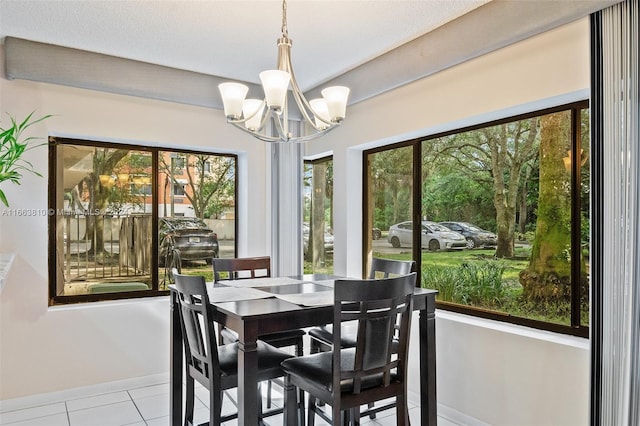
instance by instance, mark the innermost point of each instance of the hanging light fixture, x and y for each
(252, 115)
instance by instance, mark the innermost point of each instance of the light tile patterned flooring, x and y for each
(147, 406)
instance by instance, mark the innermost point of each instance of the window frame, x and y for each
(575, 329)
(54, 143)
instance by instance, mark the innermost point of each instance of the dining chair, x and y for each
(322, 336)
(372, 370)
(213, 366)
(255, 267)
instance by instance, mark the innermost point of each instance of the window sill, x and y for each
(110, 303)
(514, 329)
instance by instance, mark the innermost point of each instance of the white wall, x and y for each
(495, 376)
(46, 349)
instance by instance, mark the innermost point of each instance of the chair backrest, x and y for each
(242, 267)
(377, 309)
(196, 319)
(385, 268)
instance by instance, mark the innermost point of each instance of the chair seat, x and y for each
(317, 368)
(280, 339)
(269, 359)
(324, 334)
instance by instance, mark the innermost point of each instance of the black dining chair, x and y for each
(373, 369)
(213, 366)
(322, 336)
(255, 267)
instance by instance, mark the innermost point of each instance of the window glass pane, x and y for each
(317, 229)
(107, 199)
(505, 190)
(103, 220)
(390, 204)
(196, 209)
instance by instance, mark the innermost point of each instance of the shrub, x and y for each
(472, 283)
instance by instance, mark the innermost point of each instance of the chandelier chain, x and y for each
(285, 30)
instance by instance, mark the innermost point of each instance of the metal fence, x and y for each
(104, 247)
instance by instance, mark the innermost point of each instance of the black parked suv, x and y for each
(190, 235)
(475, 236)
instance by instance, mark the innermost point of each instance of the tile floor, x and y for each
(146, 406)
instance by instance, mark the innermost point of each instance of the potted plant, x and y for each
(12, 165)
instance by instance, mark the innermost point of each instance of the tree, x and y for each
(105, 161)
(549, 273)
(317, 225)
(391, 186)
(497, 155)
(210, 182)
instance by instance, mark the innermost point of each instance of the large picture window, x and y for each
(123, 216)
(497, 216)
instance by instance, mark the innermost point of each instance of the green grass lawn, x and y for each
(475, 284)
(456, 258)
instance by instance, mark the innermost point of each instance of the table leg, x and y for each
(247, 378)
(176, 365)
(428, 399)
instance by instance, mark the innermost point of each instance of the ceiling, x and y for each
(232, 39)
(368, 45)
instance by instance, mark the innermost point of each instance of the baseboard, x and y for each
(456, 417)
(82, 392)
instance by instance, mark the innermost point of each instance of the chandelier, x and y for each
(252, 115)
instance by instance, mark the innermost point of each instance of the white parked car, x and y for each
(434, 236)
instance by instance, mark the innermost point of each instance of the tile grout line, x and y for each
(66, 410)
(136, 405)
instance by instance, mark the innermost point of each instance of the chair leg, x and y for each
(190, 399)
(301, 408)
(402, 413)
(311, 416)
(337, 415)
(300, 352)
(215, 408)
(290, 408)
(269, 394)
(355, 415)
(372, 415)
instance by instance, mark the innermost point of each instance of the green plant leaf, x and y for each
(12, 148)
(3, 198)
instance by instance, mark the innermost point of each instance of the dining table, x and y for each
(253, 307)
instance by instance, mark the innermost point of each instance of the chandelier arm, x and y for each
(311, 136)
(303, 104)
(280, 127)
(263, 120)
(273, 139)
(257, 135)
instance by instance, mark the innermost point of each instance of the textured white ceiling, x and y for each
(232, 39)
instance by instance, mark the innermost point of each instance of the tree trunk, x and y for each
(316, 235)
(523, 210)
(549, 273)
(104, 161)
(503, 200)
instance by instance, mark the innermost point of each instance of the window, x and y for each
(178, 189)
(504, 209)
(118, 228)
(317, 229)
